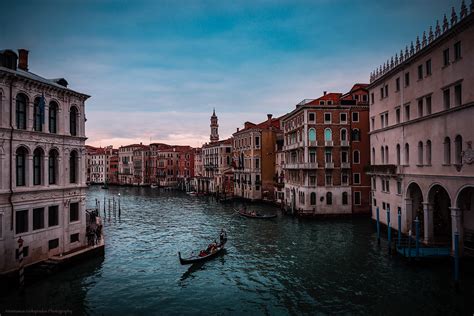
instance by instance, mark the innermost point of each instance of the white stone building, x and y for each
(42, 164)
(422, 111)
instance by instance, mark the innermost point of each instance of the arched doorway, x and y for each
(414, 208)
(465, 203)
(440, 202)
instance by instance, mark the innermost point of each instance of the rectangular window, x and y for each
(73, 212)
(382, 120)
(428, 67)
(372, 98)
(446, 99)
(312, 180)
(399, 187)
(428, 105)
(387, 185)
(383, 185)
(53, 215)
(312, 117)
(327, 118)
(457, 51)
(373, 122)
(420, 72)
(357, 198)
(381, 93)
(1, 226)
(328, 179)
(257, 163)
(344, 156)
(446, 57)
(407, 79)
(375, 202)
(356, 178)
(343, 118)
(397, 84)
(53, 244)
(21, 221)
(355, 116)
(328, 155)
(321, 102)
(345, 178)
(420, 107)
(383, 205)
(74, 237)
(457, 95)
(397, 114)
(38, 218)
(257, 141)
(386, 90)
(407, 112)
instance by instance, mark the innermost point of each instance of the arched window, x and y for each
(73, 167)
(53, 166)
(73, 121)
(428, 152)
(382, 154)
(312, 135)
(327, 134)
(407, 154)
(398, 154)
(447, 151)
(329, 198)
(21, 106)
(356, 156)
(21, 166)
(386, 155)
(344, 198)
(313, 198)
(37, 166)
(343, 134)
(355, 135)
(53, 117)
(458, 150)
(37, 116)
(373, 155)
(420, 153)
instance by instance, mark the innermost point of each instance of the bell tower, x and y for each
(214, 127)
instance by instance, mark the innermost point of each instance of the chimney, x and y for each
(237, 129)
(23, 59)
(325, 92)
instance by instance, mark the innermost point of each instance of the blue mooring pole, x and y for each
(389, 231)
(417, 240)
(456, 257)
(399, 228)
(378, 225)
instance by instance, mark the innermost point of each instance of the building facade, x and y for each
(421, 112)
(254, 159)
(42, 164)
(325, 147)
(126, 172)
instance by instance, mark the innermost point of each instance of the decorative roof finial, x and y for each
(418, 45)
(430, 36)
(437, 29)
(424, 42)
(392, 63)
(412, 49)
(396, 59)
(463, 10)
(406, 52)
(454, 17)
(401, 55)
(445, 24)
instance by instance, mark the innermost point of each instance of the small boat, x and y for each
(256, 215)
(193, 193)
(154, 186)
(196, 258)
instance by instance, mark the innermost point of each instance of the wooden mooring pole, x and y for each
(21, 272)
(456, 257)
(378, 225)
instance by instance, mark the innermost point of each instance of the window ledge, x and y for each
(420, 165)
(446, 164)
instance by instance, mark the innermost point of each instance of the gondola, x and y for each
(195, 258)
(258, 215)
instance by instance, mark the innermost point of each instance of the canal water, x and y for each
(278, 266)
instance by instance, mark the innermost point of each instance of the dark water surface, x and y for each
(279, 266)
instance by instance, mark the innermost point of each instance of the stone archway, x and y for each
(440, 203)
(465, 204)
(414, 207)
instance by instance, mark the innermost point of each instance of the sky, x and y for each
(156, 69)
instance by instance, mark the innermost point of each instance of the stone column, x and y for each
(456, 227)
(428, 221)
(46, 118)
(29, 171)
(409, 214)
(45, 170)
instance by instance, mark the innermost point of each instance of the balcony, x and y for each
(329, 165)
(309, 165)
(344, 143)
(388, 170)
(345, 165)
(328, 143)
(312, 143)
(294, 146)
(291, 166)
